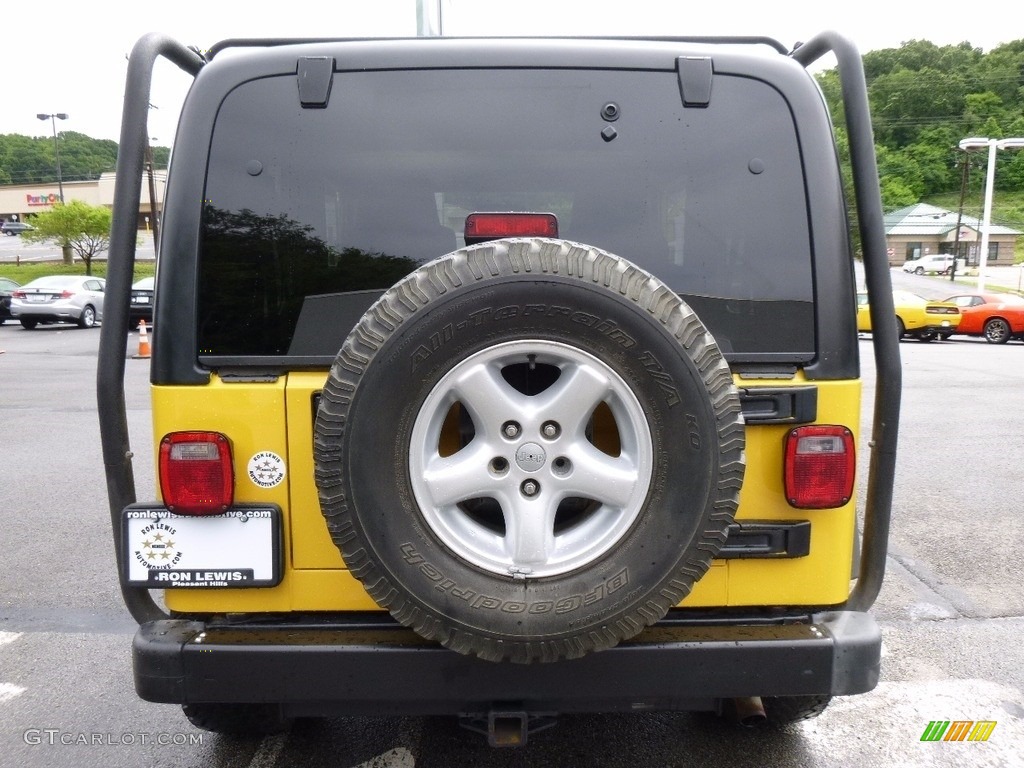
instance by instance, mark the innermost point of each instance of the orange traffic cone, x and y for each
(143, 340)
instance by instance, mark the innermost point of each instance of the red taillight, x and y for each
(196, 474)
(820, 466)
(20, 295)
(481, 227)
(66, 294)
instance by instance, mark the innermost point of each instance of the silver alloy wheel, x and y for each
(529, 454)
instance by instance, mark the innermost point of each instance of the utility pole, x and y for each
(152, 200)
(959, 217)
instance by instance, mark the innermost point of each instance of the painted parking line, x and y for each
(270, 749)
(393, 758)
(8, 690)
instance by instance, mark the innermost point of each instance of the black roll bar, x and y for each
(889, 376)
(117, 455)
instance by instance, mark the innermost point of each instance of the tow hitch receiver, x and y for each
(507, 728)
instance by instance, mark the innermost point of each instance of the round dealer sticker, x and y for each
(266, 469)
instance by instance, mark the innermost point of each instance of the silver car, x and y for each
(59, 299)
(15, 227)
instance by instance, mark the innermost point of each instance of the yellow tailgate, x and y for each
(277, 416)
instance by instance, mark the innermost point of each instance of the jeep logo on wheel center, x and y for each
(530, 457)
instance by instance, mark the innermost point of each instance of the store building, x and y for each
(922, 229)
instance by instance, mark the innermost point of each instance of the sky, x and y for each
(70, 57)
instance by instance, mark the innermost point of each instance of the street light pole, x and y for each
(56, 149)
(429, 18)
(986, 216)
(993, 144)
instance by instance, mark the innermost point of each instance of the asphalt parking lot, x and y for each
(951, 608)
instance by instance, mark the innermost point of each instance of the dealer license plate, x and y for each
(240, 548)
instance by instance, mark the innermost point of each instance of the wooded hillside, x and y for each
(924, 100)
(30, 160)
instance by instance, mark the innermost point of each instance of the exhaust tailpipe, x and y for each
(749, 711)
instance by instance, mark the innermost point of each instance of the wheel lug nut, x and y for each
(550, 429)
(530, 488)
(511, 430)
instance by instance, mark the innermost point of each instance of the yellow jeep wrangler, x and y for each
(501, 379)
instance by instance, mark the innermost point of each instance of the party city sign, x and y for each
(45, 199)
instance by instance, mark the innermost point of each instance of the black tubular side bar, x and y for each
(117, 456)
(889, 377)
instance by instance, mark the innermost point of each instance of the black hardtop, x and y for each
(760, 57)
(631, 52)
(236, 62)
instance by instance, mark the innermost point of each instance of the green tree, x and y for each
(893, 164)
(1001, 70)
(924, 99)
(935, 156)
(979, 107)
(905, 101)
(921, 54)
(896, 194)
(1013, 173)
(26, 161)
(75, 226)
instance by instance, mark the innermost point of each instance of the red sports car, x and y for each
(998, 317)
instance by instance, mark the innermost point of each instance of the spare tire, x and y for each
(528, 450)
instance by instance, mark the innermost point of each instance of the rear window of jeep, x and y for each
(311, 213)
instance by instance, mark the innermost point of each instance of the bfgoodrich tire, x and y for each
(783, 710)
(529, 450)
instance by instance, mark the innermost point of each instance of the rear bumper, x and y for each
(49, 314)
(371, 667)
